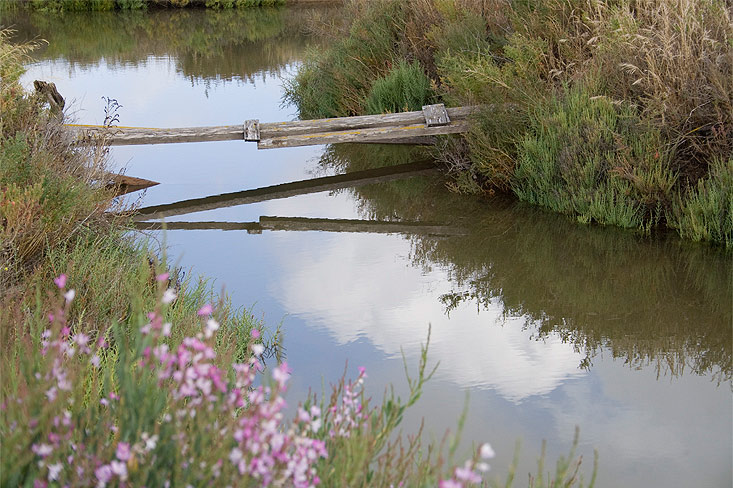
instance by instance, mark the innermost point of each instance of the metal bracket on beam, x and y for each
(435, 115)
(252, 130)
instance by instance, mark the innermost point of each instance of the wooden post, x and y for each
(252, 130)
(435, 115)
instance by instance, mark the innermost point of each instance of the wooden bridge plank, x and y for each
(300, 127)
(363, 135)
(306, 132)
(124, 136)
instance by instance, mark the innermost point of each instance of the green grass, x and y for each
(575, 159)
(406, 87)
(105, 5)
(706, 214)
(655, 116)
(66, 415)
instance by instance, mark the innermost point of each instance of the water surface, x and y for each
(547, 324)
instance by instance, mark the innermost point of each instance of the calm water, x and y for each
(546, 324)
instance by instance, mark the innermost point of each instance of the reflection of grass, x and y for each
(204, 43)
(657, 302)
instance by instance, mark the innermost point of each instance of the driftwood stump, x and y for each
(51, 94)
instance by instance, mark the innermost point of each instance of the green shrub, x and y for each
(406, 87)
(583, 155)
(706, 213)
(336, 83)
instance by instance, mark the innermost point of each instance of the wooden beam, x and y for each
(363, 128)
(128, 136)
(362, 135)
(300, 127)
(124, 184)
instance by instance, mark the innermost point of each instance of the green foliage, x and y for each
(337, 82)
(102, 5)
(404, 88)
(575, 159)
(706, 214)
(669, 61)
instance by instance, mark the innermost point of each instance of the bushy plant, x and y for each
(584, 156)
(51, 189)
(336, 82)
(144, 404)
(669, 62)
(707, 212)
(404, 88)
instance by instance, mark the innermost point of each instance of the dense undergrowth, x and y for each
(614, 112)
(105, 5)
(120, 370)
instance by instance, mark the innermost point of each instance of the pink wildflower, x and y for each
(69, 295)
(466, 473)
(123, 451)
(486, 451)
(60, 281)
(162, 277)
(103, 474)
(42, 450)
(255, 334)
(281, 374)
(205, 310)
(120, 469)
(169, 296)
(53, 471)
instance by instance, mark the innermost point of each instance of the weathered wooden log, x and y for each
(124, 184)
(51, 94)
(363, 135)
(286, 190)
(301, 127)
(363, 128)
(129, 136)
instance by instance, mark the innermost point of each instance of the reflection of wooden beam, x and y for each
(286, 190)
(352, 225)
(251, 227)
(311, 224)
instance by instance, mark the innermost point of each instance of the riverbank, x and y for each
(105, 5)
(119, 368)
(611, 114)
